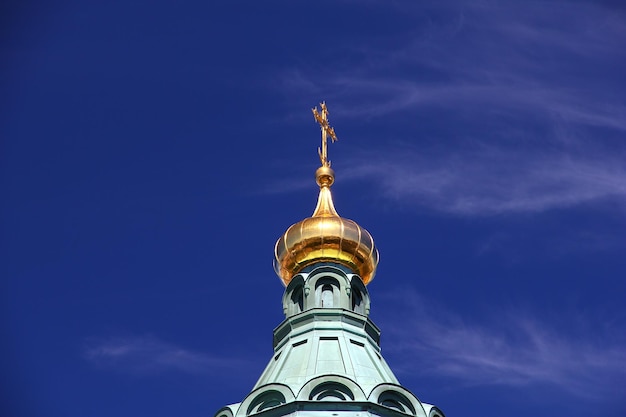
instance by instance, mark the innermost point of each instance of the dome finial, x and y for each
(324, 176)
(325, 236)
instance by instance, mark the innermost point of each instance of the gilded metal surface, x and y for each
(325, 236)
(326, 239)
(322, 119)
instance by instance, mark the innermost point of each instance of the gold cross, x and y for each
(322, 119)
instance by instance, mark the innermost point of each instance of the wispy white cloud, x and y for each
(532, 95)
(148, 355)
(516, 349)
(483, 180)
(549, 59)
(487, 181)
(378, 96)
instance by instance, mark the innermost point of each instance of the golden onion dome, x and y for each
(325, 236)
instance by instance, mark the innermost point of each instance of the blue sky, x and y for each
(153, 152)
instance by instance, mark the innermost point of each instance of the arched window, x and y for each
(326, 293)
(358, 306)
(297, 300)
(331, 391)
(265, 400)
(397, 401)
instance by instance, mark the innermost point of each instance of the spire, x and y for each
(325, 237)
(324, 176)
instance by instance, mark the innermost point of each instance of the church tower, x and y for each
(327, 359)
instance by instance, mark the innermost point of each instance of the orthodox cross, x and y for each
(322, 119)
